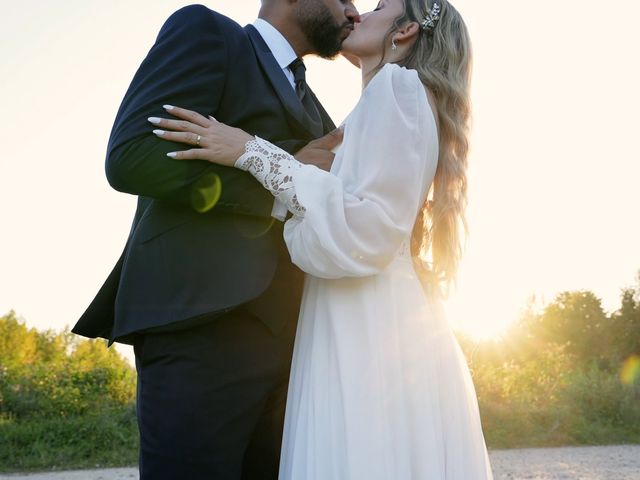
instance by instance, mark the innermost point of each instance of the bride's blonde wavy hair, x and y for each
(442, 58)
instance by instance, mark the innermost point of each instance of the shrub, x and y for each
(63, 401)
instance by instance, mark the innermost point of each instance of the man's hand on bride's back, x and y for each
(319, 152)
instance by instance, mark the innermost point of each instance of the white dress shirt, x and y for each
(284, 55)
(279, 46)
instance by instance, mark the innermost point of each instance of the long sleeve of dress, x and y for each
(274, 169)
(352, 221)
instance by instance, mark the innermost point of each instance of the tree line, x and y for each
(565, 374)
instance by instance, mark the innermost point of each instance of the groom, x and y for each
(204, 289)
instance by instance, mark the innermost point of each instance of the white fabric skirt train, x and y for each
(379, 387)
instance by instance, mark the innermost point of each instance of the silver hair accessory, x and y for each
(429, 23)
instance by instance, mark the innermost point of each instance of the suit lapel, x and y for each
(281, 84)
(276, 76)
(327, 123)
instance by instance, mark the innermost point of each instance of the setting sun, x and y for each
(550, 195)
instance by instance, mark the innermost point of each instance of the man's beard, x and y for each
(321, 30)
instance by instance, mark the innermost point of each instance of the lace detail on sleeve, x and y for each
(274, 169)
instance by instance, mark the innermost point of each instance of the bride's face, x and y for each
(368, 36)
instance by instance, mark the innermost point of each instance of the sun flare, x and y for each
(482, 319)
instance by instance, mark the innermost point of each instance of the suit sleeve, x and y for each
(186, 67)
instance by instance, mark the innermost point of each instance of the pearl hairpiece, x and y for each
(429, 23)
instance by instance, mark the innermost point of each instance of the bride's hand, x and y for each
(212, 141)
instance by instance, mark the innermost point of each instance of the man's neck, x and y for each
(289, 30)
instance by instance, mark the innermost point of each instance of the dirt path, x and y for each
(581, 463)
(584, 463)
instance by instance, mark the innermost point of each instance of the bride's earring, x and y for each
(394, 47)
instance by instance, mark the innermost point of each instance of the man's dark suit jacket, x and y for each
(189, 256)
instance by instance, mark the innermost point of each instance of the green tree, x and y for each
(576, 321)
(46, 373)
(625, 325)
(18, 344)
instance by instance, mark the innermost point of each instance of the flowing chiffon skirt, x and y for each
(379, 387)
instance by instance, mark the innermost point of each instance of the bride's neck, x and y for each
(368, 70)
(369, 67)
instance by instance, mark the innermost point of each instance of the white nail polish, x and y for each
(159, 132)
(171, 154)
(154, 120)
(168, 107)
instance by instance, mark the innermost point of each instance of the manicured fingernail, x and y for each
(171, 154)
(154, 120)
(159, 132)
(168, 107)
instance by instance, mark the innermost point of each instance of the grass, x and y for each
(546, 404)
(525, 406)
(66, 404)
(107, 439)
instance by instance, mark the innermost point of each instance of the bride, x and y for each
(379, 388)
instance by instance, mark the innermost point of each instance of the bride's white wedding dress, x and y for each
(379, 387)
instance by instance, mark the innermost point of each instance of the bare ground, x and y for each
(620, 462)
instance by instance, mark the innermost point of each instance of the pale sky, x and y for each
(554, 166)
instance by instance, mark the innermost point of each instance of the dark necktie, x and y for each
(299, 75)
(298, 69)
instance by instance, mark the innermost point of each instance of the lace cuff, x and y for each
(274, 169)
